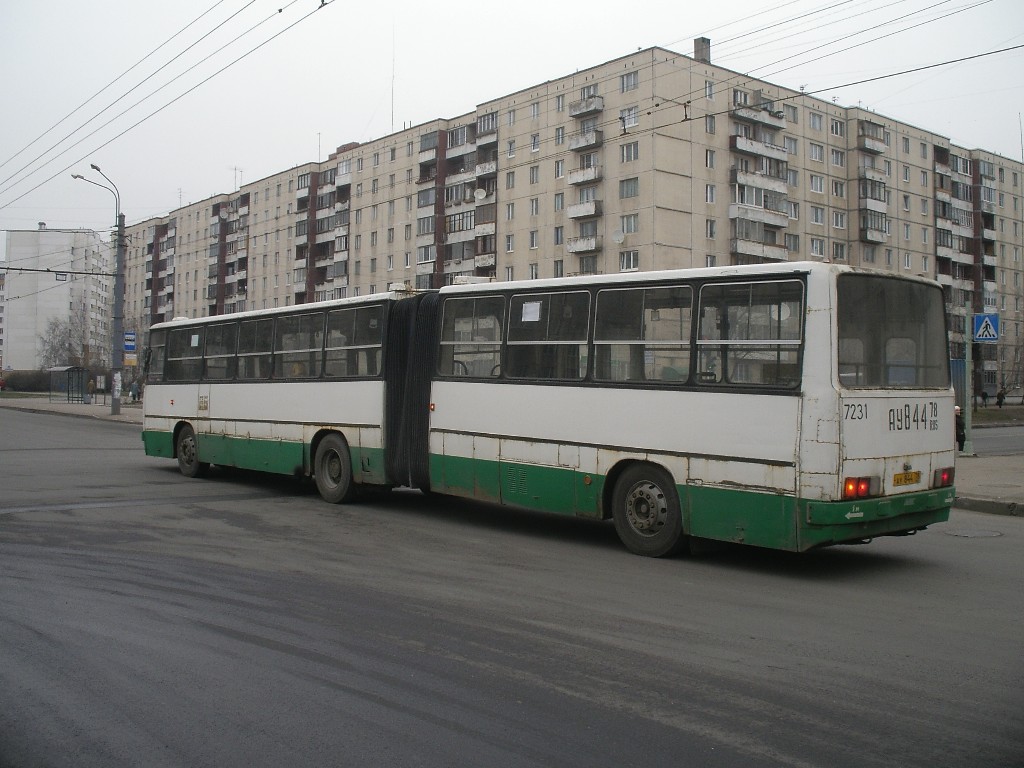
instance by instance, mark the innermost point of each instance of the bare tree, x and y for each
(60, 344)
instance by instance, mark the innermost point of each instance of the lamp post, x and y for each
(117, 331)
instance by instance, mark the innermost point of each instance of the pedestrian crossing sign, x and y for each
(986, 327)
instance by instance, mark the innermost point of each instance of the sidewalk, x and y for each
(992, 484)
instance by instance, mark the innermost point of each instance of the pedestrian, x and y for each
(1000, 397)
(133, 390)
(91, 388)
(960, 428)
(984, 399)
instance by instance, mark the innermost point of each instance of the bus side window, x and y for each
(255, 339)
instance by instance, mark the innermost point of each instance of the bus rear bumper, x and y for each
(846, 521)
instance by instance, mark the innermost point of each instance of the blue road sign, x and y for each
(986, 327)
(129, 341)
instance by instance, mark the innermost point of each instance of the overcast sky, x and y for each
(350, 71)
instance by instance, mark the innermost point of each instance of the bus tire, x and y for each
(186, 448)
(332, 469)
(645, 508)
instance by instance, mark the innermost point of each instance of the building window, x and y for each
(839, 219)
(534, 174)
(559, 135)
(629, 81)
(793, 243)
(817, 247)
(838, 127)
(534, 239)
(559, 168)
(534, 206)
(629, 188)
(816, 123)
(817, 183)
(709, 89)
(838, 158)
(535, 142)
(560, 103)
(510, 211)
(630, 223)
(710, 228)
(709, 158)
(709, 193)
(629, 117)
(510, 241)
(709, 123)
(510, 180)
(559, 201)
(559, 269)
(791, 145)
(629, 261)
(511, 151)
(559, 235)
(817, 152)
(838, 251)
(630, 151)
(838, 188)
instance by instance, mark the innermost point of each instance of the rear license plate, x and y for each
(906, 478)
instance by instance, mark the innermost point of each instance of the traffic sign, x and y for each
(986, 327)
(129, 341)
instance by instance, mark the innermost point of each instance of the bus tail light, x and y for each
(943, 477)
(861, 487)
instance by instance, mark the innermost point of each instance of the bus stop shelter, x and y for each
(68, 384)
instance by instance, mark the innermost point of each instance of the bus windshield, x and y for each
(892, 333)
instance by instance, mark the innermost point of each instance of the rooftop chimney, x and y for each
(42, 225)
(702, 49)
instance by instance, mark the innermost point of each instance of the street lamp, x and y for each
(117, 332)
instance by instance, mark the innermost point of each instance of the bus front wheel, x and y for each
(645, 508)
(332, 469)
(187, 450)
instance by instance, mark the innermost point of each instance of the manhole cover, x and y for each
(973, 534)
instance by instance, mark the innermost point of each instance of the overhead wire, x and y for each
(160, 109)
(111, 83)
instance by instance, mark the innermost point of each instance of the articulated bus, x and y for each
(790, 406)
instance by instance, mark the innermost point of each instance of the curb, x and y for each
(990, 506)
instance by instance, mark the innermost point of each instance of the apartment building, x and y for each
(651, 161)
(56, 274)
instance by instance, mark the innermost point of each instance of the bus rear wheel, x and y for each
(187, 450)
(645, 508)
(332, 469)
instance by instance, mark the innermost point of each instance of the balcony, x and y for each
(759, 180)
(756, 115)
(585, 175)
(757, 213)
(584, 210)
(870, 204)
(586, 107)
(757, 148)
(871, 174)
(740, 247)
(871, 235)
(588, 244)
(587, 140)
(871, 144)
(487, 169)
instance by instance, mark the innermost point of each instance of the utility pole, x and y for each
(118, 330)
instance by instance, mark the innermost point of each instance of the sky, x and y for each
(177, 102)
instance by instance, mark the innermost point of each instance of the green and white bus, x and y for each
(791, 406)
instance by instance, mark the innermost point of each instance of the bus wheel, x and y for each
(332, 469)
(188, 454)
(645, 507)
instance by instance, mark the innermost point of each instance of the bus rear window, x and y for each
(892, 333)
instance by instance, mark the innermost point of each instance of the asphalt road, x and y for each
(150, 620)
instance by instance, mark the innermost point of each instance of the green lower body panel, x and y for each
(276, 456)
(745, 517)
(532, 486)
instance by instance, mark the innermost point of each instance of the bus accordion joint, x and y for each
(861, 487)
